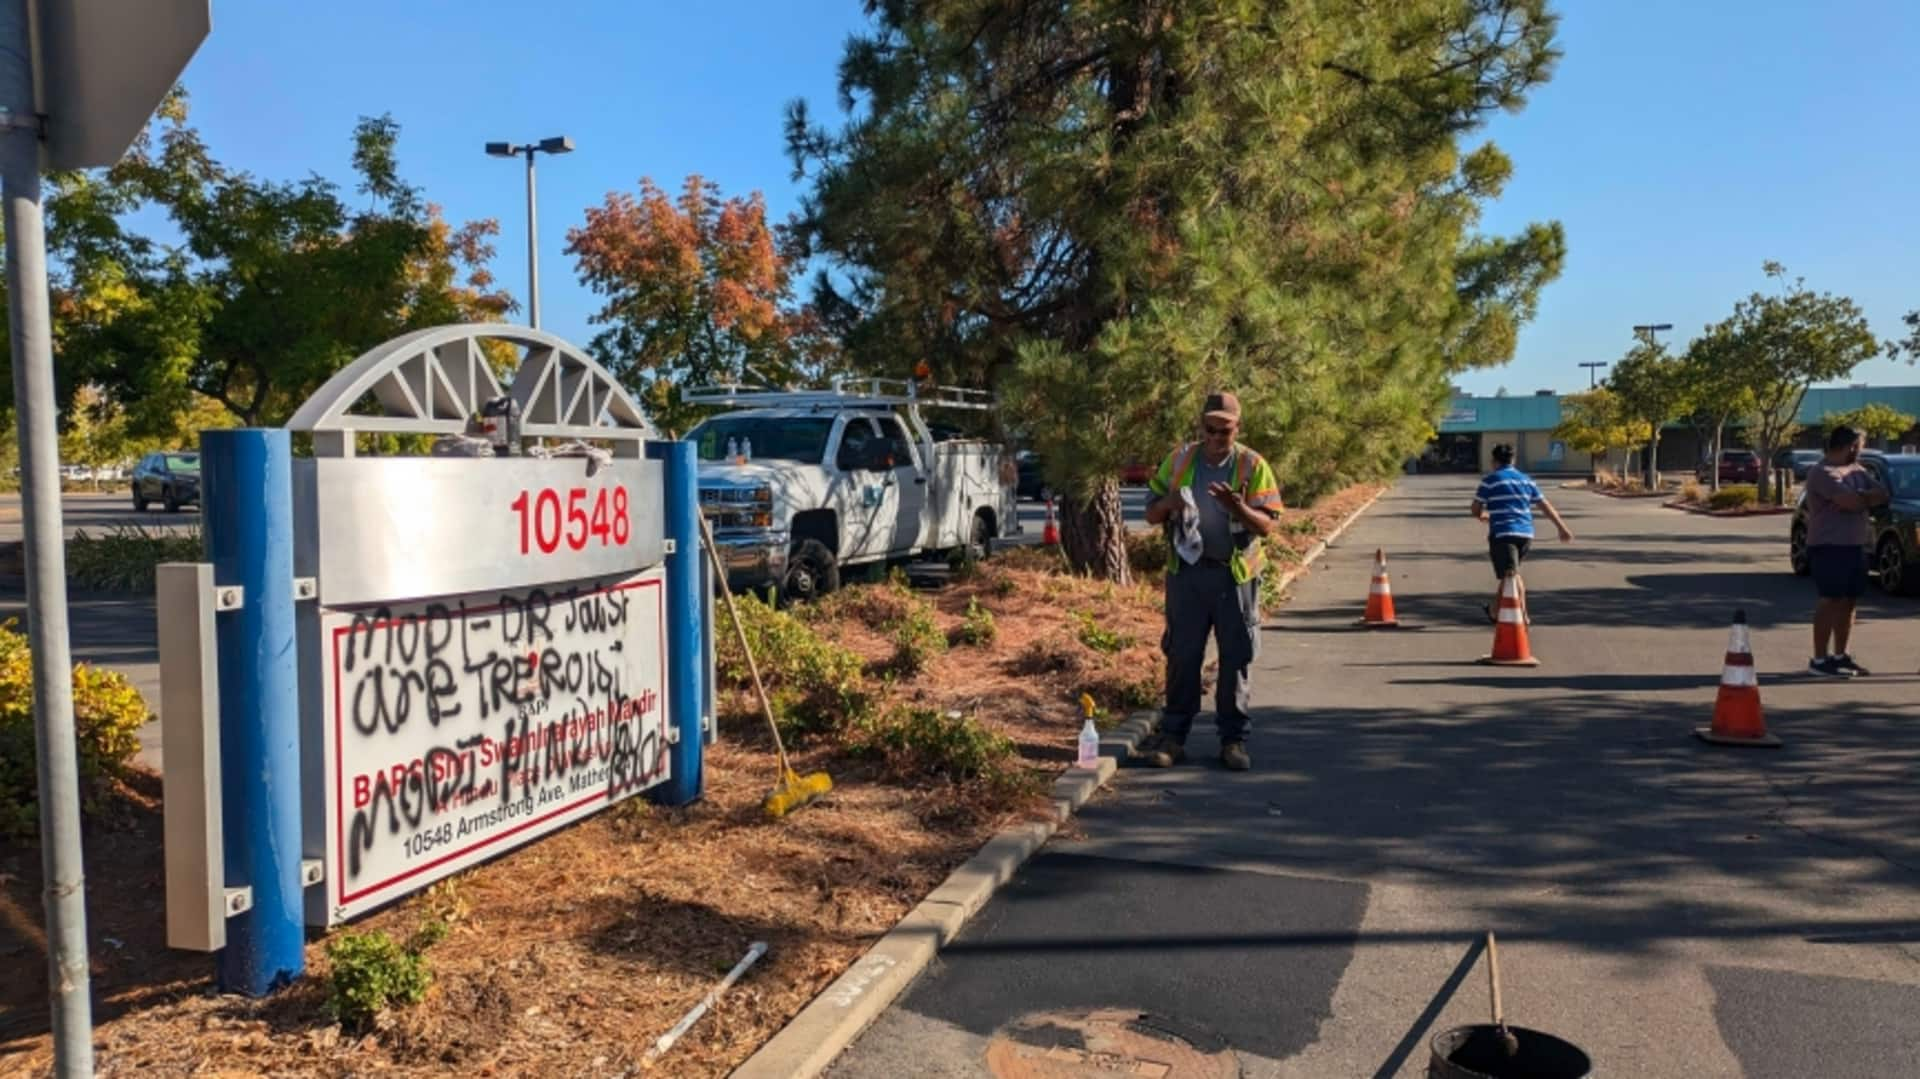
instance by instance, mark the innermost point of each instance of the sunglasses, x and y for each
(1212, 430)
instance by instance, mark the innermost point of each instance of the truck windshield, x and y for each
(784, 439)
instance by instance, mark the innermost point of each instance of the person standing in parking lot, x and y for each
(1219, 499)
(1840, 491)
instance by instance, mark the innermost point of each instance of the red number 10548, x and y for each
(544, 524)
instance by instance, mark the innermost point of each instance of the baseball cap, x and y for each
(1223, 405)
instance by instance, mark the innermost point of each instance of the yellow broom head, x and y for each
(796, 790)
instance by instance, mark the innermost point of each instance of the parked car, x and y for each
(1798, 460)
(1033, 484)
(171, 479)
(1136, 473)
(1895, 554)
(1736, 466)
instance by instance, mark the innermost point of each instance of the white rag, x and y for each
(1186, 537)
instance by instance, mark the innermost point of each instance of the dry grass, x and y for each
(570, 955)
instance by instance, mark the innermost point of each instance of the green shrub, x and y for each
(1098, 637)
(943, 745)
(815, 685)
(978, 627)
(107, 715)
(123, 560)
(1147, 552)
(369, 973)
(1734, 496)
(916, 639)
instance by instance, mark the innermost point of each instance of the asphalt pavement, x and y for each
(95, 512)
(1675, 909)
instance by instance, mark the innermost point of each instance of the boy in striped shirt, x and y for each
(1505, 501)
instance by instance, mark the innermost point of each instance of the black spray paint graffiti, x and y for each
(536, 681)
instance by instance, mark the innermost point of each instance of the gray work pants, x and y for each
(1204, 599)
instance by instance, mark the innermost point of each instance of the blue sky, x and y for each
(1681, 144)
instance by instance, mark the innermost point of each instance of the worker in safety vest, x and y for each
(1218, 499)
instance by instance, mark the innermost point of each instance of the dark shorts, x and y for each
(1507, 553)
(1839, 572)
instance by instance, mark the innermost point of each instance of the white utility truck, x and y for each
(799, 484)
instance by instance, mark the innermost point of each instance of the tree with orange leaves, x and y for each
(695, 290)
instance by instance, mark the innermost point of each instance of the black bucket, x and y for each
(1476, 1053)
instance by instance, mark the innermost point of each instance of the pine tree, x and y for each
(1105, 210)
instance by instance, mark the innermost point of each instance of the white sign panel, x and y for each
(457, 729)
(412, 527)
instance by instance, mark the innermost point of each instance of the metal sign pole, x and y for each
(32, 356)
(249, 528)
(686, 622)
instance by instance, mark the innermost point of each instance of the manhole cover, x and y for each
(1109, 1042)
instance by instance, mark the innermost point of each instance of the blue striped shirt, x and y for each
(1509, 495)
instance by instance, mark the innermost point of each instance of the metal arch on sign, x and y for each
(432, 381)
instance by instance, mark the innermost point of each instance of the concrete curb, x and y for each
(811, 1040)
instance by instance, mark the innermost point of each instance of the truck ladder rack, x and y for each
(844, 393)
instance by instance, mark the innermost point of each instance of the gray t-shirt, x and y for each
(1827, 524)
(1216, 523)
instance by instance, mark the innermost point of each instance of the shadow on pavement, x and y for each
(1595, 795)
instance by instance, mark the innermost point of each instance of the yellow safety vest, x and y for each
(1249, 554)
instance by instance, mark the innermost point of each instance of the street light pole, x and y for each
(1649, 330)
(62, 877)
(559, 144)
(533, 248)
(1593, 372)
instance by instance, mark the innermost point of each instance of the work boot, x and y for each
(1234, 756)
(1162, 751)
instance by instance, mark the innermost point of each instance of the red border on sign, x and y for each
(339, 737)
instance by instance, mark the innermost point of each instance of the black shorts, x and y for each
(1839, 572)
(1507, 553)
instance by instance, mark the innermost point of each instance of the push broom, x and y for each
(793, 790)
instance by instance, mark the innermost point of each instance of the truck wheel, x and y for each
(811, 572)
(980, 543)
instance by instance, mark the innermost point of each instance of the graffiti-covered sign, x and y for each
(460, 728)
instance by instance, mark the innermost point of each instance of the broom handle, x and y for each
(733, 613)
(1493, 977)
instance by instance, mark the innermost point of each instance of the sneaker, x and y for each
(1828, 667)
(1234, 756)
(1162, 751)
(1845, 662)
(1487, 608)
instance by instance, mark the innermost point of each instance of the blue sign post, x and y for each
(247, 506)
(686, 624)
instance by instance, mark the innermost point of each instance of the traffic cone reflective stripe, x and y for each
(1510, 646)
(1737, 718)
(1380, 595)
(1050, 532)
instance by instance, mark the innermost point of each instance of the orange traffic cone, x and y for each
(1736, 711)
(1050, 532)
(1380, 596)
(1510, 648)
